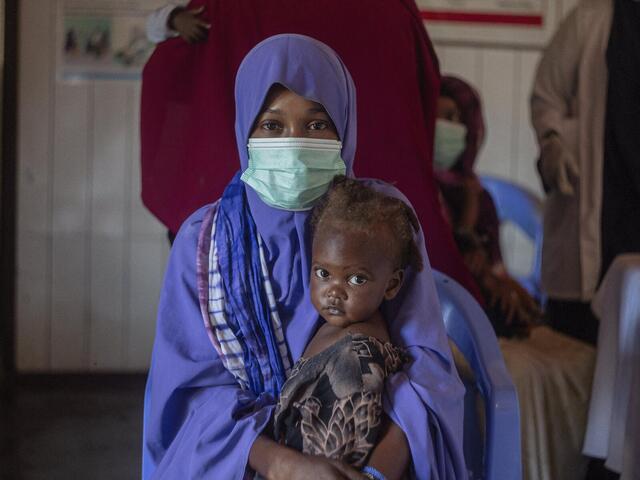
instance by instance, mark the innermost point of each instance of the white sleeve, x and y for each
(157, 29)
(555, 82)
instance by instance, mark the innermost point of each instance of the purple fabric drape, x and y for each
(200, 423)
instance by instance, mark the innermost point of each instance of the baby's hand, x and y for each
(189, 25)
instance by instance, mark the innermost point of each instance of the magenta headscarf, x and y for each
(468, 102)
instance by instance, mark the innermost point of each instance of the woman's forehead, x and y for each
(447, 104)
(279, 95)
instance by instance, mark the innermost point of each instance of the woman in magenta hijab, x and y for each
(470, 209)
(187, 89)
(235, 312)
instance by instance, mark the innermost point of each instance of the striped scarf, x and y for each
(242, 316)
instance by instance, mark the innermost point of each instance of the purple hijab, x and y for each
(199, 423)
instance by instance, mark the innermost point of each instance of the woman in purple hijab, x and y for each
(235, 311)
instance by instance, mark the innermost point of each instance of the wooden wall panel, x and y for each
(90, 257)
(110, 192)
(463, 62)
(70, 211)
(526, 145)
(147, 270)
(498, 93)
(36, 107)
(520, 256)
(148, 252)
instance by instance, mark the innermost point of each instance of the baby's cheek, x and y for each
(315, 294)
(364, 305)
(314, 298)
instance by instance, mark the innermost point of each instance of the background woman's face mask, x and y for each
(292, 173)
(450, 142)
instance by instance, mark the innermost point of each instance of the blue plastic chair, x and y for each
(523, 208)
(497, 456)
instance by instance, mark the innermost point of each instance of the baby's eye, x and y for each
(321, 273)
(357, 280)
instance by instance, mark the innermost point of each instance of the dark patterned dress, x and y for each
(331, 405)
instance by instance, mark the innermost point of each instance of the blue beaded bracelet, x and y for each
(372, 473)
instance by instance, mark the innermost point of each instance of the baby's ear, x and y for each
(395, 282)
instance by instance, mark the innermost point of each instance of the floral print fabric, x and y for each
(331, 405)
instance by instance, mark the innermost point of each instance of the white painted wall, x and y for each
(90, 258)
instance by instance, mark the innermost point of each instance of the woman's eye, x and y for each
(321, 273)
(357, 280)
(319, 125)
(270, 126)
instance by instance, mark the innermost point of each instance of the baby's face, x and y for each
(352, 272)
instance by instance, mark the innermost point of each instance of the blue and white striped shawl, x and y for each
(222, 319)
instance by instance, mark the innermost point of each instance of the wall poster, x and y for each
(521, 22)
(103, 39)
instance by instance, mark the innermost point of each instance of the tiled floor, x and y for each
(68, 427)
(84, 427)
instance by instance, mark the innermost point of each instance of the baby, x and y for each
(331, 405)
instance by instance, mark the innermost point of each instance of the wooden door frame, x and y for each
(8, 195)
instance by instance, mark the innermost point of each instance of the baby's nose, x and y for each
(336, 293)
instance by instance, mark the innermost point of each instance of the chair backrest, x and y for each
(522, 207)
(471, 331)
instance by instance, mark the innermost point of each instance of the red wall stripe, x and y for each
(473, 17)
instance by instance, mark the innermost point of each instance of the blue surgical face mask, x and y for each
(292, 173)
(450, 142)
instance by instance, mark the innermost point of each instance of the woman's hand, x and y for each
(528, 309)
(476, 261)
(320, 468)
(557, 166)
(514, 301)
(189, 24)
(509, 303)
(277, 462)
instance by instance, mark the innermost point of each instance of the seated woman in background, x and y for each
(470, 209)
(552, 372)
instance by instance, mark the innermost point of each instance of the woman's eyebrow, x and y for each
(276, 111)
(317, 110)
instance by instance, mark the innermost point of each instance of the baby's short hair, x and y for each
(362, 207)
